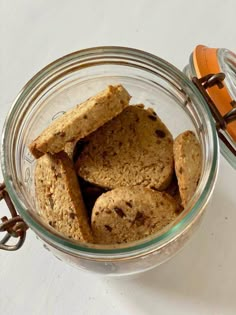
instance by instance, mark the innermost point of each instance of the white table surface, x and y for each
(199, 280)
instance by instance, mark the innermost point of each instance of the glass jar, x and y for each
(69, 81)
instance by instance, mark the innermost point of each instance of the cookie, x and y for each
(59, 197)
(128, 214)
(81, 120)
(188, 163)
(69, 149)
(134, 148)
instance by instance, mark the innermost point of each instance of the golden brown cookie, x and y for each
(188, 163)
(69, 149)
(59, 197)
(131, 213)
(81, 120)
(134, 148)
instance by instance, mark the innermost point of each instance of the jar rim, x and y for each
(145, 246)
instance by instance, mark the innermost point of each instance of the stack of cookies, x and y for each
(110, 173)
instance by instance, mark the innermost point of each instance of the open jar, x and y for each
(180, 103)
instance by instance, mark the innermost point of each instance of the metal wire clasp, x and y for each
(221, 121)
(13, 227)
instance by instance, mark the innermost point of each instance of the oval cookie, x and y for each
(134, 148)
(131, 213)
(188, 163)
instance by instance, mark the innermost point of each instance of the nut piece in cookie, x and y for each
(59, 197)
(134, 148)
(81, 120)
(188, 164)
(128, 214)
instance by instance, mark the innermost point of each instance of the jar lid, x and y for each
(215, 69)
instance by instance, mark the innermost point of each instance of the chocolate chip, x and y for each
(104, 154)
(85, 117)
(119, 212)
(180, 170)
(128, 204)
(152, 117)
(97, 213)
(108, 227)
(108, 211)
(160, 133)
(139, 218)
(60, 134)
(72, 215)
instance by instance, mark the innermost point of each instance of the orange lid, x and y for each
(206, 62)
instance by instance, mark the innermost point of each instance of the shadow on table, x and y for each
(204, 272)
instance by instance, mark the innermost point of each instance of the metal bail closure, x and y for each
(215, 78)
(14, 227)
